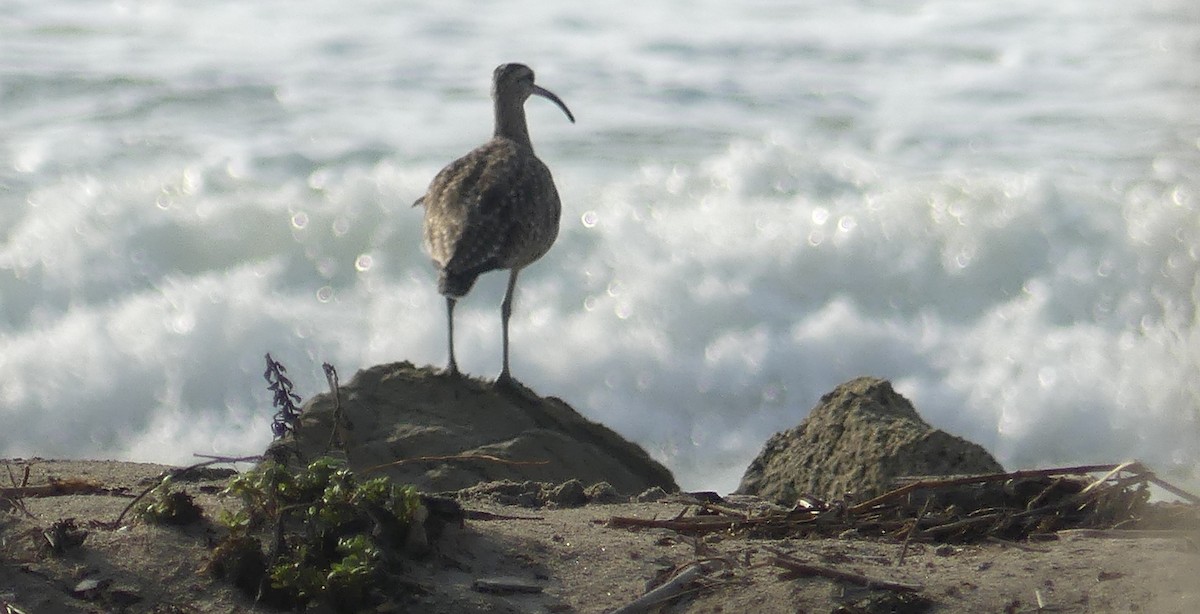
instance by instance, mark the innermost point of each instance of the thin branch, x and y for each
(664, 592)
(695, 524)
(966, 522)
(227, 459)
(799, 567)
(55, 489)
(1175, 490)
(453, 457)
(1113, 473)
(908, 534)
(479, 515)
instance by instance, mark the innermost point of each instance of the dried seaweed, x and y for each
(1005, 507)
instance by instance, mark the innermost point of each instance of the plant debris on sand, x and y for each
(1002, 506)
(592, 559)
(301, 533)
(330, 537)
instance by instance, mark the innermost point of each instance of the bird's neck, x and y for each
(510, 123)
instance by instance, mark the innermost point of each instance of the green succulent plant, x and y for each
(165, 505)
(334, 535)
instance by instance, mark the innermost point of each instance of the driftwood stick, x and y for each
(1036, 502)
(1111, 474)
(1175, 490)
(662, 593)
(13, 480)
(453, 457)
(220, 459)
(16, 501)
(966, 522)
(55, 489)
(725, 510)
(695, 524)
(480, 515)
(797, 566)
(913, 529)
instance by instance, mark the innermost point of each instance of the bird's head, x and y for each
(515, 82)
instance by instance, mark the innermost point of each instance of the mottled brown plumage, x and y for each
(494, 208)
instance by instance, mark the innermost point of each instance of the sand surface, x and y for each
(575, 562)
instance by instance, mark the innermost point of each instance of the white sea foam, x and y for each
(995, 207)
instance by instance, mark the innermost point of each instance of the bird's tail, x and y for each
(456, 285)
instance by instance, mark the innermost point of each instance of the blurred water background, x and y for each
(996, 205)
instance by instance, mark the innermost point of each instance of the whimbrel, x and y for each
(494, 208)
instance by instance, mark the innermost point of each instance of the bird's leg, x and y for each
(505, 312)
(452, 368)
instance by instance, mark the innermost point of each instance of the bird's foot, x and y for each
(505, 380)
(510, 387)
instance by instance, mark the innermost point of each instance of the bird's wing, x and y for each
(468, 208)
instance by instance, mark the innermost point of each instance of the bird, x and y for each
(495, 208)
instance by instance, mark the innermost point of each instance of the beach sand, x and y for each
(573, 560)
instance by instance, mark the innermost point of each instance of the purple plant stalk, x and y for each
(285, 401)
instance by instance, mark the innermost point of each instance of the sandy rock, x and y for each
(603, 492)
(506, 492)
(569, 494)
(650, 495)
(857, 440)
(400, 412)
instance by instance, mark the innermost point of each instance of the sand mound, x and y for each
(398, 412)
(858, 439)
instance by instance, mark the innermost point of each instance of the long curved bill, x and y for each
(547, 94)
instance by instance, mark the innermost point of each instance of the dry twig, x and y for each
(56, 488)
(908, 535)
(800, 568)
(664, 592)
(694, 524)
(453, 457)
